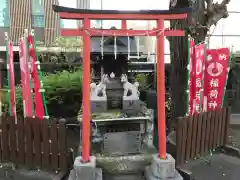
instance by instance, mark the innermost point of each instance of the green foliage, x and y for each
(141, 78)
(63, 92)
(18, 99)
(68, 43)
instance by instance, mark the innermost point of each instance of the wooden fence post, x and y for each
(63, 146)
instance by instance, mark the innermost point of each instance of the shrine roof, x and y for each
(57, 8)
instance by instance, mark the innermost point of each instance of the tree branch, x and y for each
(219, 11)
(224, 3)
(173, 3)
(209, 6)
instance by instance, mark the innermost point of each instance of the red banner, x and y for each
(191, 76)
(215, 77)
(198, 78)
(25, 79)
(39, 108)
(11, 79)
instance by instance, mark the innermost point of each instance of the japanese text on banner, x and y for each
(197, 89)
(191, 77)
(11, 79)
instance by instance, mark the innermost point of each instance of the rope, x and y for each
(102, 42)
(129, 47)
(149, 53)
(138, 47)
(115, 46)
(105, 33)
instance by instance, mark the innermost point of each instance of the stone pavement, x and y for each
(214, 167)
(234, 131)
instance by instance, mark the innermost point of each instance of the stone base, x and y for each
(124, 177)
(98, 106)
(124, 165)
(162, 169)
(122, 143)
(131, 105)
(149, 175)
(86, 171)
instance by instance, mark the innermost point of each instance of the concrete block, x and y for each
(72, 175)
(163, 168)
(98, 174)
(86, 171)
(149, 175)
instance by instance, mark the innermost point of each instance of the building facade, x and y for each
(18, 15)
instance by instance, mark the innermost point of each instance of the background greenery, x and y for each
(63, 94)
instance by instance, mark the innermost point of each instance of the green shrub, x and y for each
(63, 92)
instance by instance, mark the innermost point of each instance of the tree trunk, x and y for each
(197, 25)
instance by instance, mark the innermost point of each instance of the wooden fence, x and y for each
(34, 144)
(198, 134)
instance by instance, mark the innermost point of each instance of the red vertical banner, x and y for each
(22, 69)
(25, 78)
(39, 107)
(198, 78)
(190, 92)
(11, 79)
(216, 72)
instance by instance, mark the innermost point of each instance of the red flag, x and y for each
(39, 108)
(215, 77)
(25, 79)
(198, 77)
(191, 77)
(11, 79)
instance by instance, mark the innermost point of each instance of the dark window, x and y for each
(37, 13)
(4, 14)
(38, 20)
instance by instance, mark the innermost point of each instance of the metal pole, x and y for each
(161, 118)
(101, 9)
(1, 84)
(86, 94)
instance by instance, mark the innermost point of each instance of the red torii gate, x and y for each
(86, 31)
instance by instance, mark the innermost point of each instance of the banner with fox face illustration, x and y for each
(216, 72)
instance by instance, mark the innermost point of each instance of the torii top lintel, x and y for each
(73, 13)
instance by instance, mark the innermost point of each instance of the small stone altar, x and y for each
(121, 122)
(116, 66)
